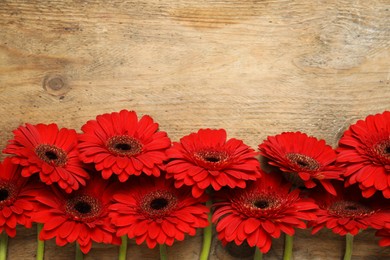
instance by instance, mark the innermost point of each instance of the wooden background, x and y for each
(253, 67)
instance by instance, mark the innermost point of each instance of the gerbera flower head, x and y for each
(153, 210)
(206, 158)
(261, 212)
(17, 201)
(80, 217)
(303, 157)
(348, 212)
(364, 150)
(119, 143)
(49, 151)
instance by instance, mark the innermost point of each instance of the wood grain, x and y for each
(255, 68)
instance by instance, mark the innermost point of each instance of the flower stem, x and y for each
(3, 245)
(41, 243)
(288, 247)
(258, 254)
(163, 252)
(348, 246)
(207, 236)
(79, 255)
(123, 248)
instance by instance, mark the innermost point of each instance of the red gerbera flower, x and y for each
(17, 200)
(81, 216)
(119, 143)
(152, 210)
(364, 150)
(348, 212)
(49, 151)
(206, 158)
(384, 234)
(260, 212)
(302, 156)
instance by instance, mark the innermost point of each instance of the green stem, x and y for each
(123, 248)
(163, 252)
(207, 236)
(41, 243)
(79, 255)
(288, 247)
(348, 246)
(258, 254)
(3, 245)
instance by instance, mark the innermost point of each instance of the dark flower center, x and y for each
(381, 151)
(3, 194)
(383, 148)
(261, 204)
(7, 194)
(349, 209)
(51, 154)
(124, 145)
(83, 208)
(257, 205)
(157, 204)
(211, 159)
(303, 162)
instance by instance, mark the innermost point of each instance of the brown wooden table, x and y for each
(253, 67)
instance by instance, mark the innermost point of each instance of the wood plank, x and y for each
(255, 68)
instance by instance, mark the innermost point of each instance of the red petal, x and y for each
(251, 224)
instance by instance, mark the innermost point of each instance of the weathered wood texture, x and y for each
(253, 67)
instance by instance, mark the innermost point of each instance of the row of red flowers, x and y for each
(122, 176)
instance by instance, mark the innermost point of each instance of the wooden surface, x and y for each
(253, 67)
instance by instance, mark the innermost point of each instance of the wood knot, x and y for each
(55, 85)
(242, 251)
